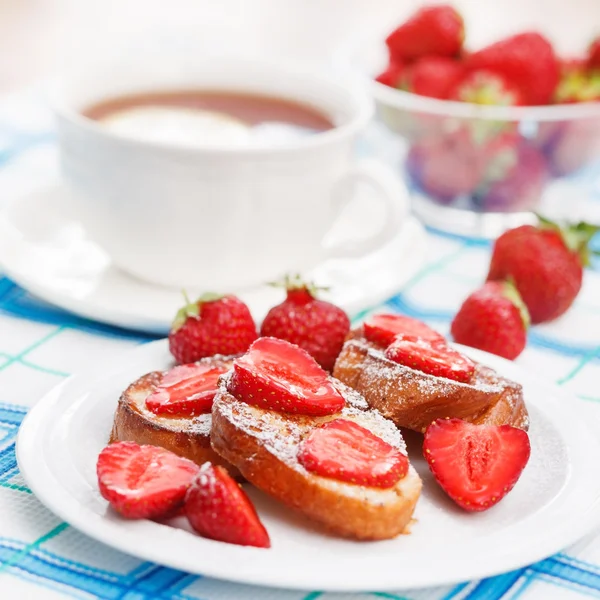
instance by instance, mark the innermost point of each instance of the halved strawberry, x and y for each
(143, 482)
(277, 375)
(218, 508)
(476, 465)
(343, 450)
(383, 329)
(186, 390)
(434, 357)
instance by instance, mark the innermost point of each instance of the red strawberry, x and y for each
(446, 166)
(437, 30)
(433, 76)
(577, 83)
(493, 318)
(277, 375)
(316, 326)
(212, 325)
(527, 60)
(545, 263)
(143, 482)
(514, 176)
(476, 465)
(218, 509)
(433, 357)
(392, 75)
(594, 54)
(343, 450)
(486, 87)
(384, 328)
(186, 390)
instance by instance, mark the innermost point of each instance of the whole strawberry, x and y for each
(433, 76)
(317, 326)
(527, 60)
(432, 30)
(545, 263)
(392, 76)
(212, 325)
(219, 509)
(493, 318)
(486, 87)
(594, 54)
(577, 84)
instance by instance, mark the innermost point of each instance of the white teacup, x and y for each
(219, 217)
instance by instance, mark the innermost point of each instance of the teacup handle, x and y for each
(390, 192)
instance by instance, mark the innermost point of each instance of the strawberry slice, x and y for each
(432, 357)
(476, 465)
(383, 329)
(218, 508)
(344, 450)
(280, 376)
(143, 482)
(186, 390)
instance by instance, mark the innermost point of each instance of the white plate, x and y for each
(555, 502)
(47, 252)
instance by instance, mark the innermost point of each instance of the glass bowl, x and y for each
(477, 170)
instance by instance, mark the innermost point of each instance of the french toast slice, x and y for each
(264, 444)
(188, 437)
(413, 399)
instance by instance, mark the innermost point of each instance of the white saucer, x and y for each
(49, 254)
(555, 502)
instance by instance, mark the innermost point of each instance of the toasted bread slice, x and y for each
(413, 399)
(188, 437)
(264, 444)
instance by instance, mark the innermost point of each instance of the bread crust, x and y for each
(186, 437)
(263, 445)
(413, 399)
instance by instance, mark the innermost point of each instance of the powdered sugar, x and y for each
(281, 433)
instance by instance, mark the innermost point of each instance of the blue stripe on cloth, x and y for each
(8, 462)
(471, 241)
(587, 566)
(581, 574)
(101, 584)
(14, 301)
(10, 418)
(156, 580)
(494, 588)
(12, 414)
(50, 585)
(556, 583)
(455, 591)
(23, 143)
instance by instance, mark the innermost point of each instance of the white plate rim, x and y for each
(119, 535)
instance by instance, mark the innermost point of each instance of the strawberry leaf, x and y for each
(512, 293)
(192, 309)
(575, 237)
(295, 282)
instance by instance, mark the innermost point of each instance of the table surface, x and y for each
(43, 557)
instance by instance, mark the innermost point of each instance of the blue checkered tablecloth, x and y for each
(43, 557)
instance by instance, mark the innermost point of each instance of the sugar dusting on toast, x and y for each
(428, 384)
(281, 434)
